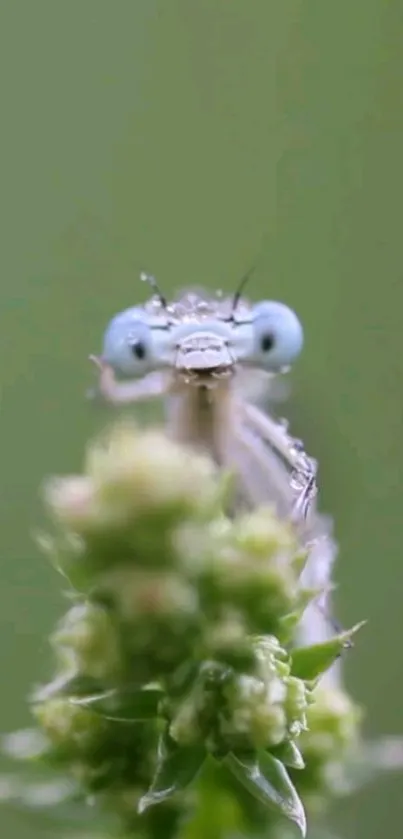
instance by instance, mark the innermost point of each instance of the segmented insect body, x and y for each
(213, 359)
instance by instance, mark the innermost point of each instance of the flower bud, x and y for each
(332, 720)
(71, 500)
(89, 636)
(251, 566)
(142, 472)
(69, 726)
(332, 734)
(253, 716)
(262, 534)
(148, 594)
(296, 703)
(227, 641)
(263, 708)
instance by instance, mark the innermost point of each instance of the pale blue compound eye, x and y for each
(128, 346)
(278, 335)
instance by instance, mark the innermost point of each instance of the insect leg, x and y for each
(262, 473)
(153, 385)
(303, 476)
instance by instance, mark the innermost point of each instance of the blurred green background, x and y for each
(188, 138)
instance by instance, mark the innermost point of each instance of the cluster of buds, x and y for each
(177, 653)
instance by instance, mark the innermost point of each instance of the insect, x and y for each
(204, 354)
(213, 359)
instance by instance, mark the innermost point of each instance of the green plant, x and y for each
(182, 704)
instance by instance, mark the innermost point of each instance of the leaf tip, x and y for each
(142, 805)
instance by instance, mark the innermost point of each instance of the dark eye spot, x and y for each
(267, 342)
(138, 349)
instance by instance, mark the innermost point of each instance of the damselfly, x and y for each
(213, 359)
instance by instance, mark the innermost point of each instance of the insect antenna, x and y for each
(148, 278)
(238, 293)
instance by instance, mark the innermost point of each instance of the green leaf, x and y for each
(310, 662)
(288, 623)
(289, 754)
(176, 768)
(65, 684)
(287, 626)
(267, 779)
(123, 705)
